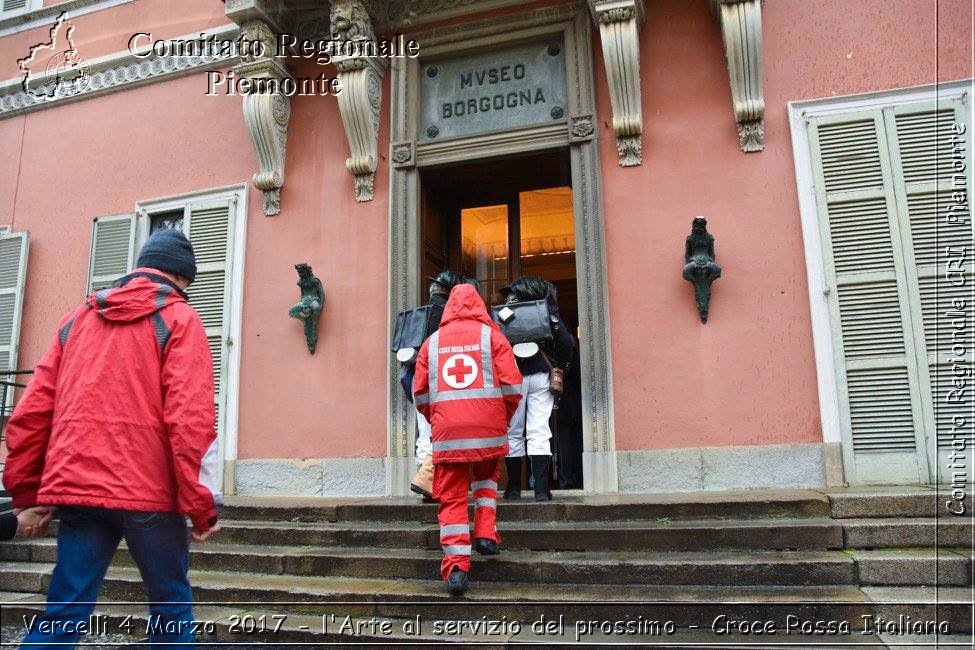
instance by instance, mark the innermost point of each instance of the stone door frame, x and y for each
(578, 134)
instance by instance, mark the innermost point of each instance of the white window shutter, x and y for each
(14, 5)
(112, 250)
(877, 374)
(924, 148)
(13, 273)
(210, 228)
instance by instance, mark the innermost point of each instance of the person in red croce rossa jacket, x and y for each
(468, 386)
(116, 429)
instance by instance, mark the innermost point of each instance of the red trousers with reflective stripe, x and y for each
(450, 484)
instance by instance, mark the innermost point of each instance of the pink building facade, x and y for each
(822, 141)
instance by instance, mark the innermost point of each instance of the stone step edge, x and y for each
(305, 627)
(373, 588)
(946, 566)
(663, 523)
(520, 555)
(230, 625)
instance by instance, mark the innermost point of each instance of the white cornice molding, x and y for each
(741, 31)
(47, 15)
(619, 23)
(114, 72)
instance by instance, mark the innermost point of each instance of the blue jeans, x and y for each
(87, 540)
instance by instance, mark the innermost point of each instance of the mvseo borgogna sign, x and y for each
(517, 86)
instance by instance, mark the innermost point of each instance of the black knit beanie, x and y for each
(169, 250)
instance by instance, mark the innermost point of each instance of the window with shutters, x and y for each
(892, 184)
(210, 221)
(11, 7)
(13, 271)
(112, 250)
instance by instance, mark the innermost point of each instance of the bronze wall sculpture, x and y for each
(308, 309)
(700, 268)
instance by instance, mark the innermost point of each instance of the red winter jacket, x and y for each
(119, 413)
(467, 383)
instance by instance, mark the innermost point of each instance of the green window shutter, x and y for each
(13, 272)
(925, 147)
(112, 250)
(210, 227)
(877, 375)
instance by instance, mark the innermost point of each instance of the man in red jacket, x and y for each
(468, 386)
(113, 429)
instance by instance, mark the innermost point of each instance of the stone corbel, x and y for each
(266, 111)
(741, 30)
(619, 24)
(361, 80)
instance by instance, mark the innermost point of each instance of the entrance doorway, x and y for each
(498, 220)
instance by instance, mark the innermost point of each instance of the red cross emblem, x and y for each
(460, 371)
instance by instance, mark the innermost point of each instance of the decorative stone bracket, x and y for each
(266, 112)
(361, 80)
(741, 30)
(619, 24)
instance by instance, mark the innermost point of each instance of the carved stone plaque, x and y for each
(511, 87)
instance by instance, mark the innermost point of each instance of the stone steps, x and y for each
(881, 502)
(624, 535)
(551, 567)
(402, 599)
(270, 627)
(567, 506)
(906, 532)
(914, 566)
(687, 557)
(893, 567)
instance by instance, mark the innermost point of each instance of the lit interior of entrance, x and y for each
(498, 220)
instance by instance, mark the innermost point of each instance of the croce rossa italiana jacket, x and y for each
(467, 383)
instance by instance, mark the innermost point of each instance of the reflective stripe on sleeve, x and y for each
(511, 390)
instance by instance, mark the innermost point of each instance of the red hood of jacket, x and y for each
(465, 303)
(137, 298)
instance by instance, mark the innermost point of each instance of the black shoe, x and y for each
(541, 468)
(486, 546)
(512, 491)
(456, 583)
(423, 493)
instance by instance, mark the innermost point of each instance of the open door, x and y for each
(498, 220)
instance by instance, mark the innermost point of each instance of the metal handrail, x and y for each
(5, 386)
